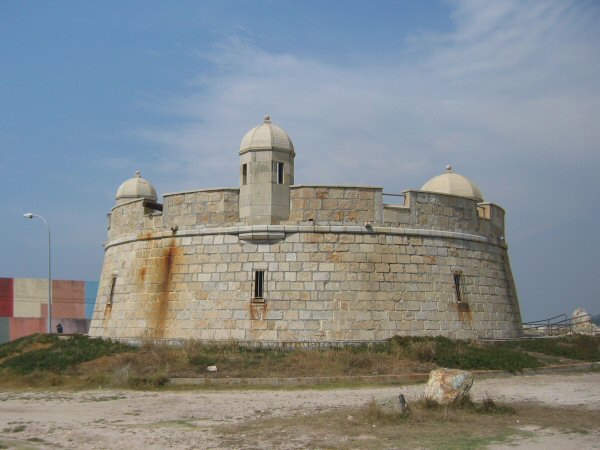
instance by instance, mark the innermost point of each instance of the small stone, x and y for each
(402, 403)
(211, 368)
(446, 386)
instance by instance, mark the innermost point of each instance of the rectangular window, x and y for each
(259, 285)
(459, 288)
(113, 281)
(278, 172)
(244, 174)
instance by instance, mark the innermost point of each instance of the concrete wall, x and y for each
(24, 306)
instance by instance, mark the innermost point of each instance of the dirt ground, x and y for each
(110, 419)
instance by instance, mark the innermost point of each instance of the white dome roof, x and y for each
(266, 136)
(136, 187)
(453, 184)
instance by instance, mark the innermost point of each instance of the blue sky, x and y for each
(382, 93)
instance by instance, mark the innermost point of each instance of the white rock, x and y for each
(211, 368)
(582, 322)
(448, 385)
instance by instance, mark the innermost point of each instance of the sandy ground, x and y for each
(185, 420)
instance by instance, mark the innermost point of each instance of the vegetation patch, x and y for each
(43, 360)
(579, 346)
(374, 425)
(60, 355)
(466, 355)
(463, 425)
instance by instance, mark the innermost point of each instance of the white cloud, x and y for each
(513, 77)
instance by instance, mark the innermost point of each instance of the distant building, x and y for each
(24, 306)
(275, 262)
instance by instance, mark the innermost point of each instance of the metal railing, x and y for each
(553, 327)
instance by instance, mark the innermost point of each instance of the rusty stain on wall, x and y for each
(145, 236)
(107, 313)
(166, 271)
(464, 311)
(258, 311)
(142, 274)
(164, 266)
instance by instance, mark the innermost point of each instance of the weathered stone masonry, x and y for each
(343, 267)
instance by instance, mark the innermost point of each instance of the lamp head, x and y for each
(28, 215)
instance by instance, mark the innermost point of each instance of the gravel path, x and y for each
(145, 420)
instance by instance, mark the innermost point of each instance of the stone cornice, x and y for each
(277, 232)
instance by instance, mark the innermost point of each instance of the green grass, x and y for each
(365, 359)
(465, 355)
(581, 347)
(57, 355)
(19, 345)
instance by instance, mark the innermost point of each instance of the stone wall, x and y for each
(344, 267)
(199, 209)
(396, 215)
(341, 285)
(442, 212)
(335, 205)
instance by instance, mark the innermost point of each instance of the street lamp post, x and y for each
(31, 216)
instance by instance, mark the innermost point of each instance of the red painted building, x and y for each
(24, 306)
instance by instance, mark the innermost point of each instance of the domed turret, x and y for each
(266, 173)
(453, 184)
(136, 187)
(266, 136)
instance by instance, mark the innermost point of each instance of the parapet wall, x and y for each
(335, 205)
(201, 209)
(318, 205)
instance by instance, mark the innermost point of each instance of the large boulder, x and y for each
(446, 386)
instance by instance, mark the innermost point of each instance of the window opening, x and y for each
(244, 174)
(459, 286)
(113, 281)
(259, 284)
(278, 171)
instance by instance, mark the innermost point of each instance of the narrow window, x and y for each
(259, 285)
(113, 281)
(459, 286)
(244, 174)
(278, 171)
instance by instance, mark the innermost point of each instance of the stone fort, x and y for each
(279, 263)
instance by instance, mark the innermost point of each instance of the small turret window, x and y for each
(278, 172)
(244, 174)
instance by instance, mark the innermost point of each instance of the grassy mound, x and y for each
(43, 359)
(54, 353)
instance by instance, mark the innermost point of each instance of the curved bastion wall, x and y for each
(344, 267)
